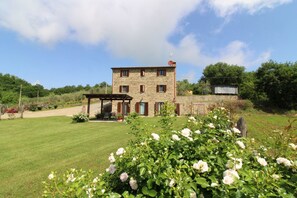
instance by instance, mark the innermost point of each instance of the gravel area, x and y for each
(58, 112)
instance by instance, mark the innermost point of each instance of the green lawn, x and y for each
(31, 148)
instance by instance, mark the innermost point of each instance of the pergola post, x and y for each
(123, 108)
(88, 109)
(101, 106)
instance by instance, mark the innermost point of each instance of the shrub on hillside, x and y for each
(81, 117)
(206, 158)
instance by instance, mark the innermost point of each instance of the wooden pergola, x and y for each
(108, 97)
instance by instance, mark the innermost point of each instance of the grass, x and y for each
(31, 148)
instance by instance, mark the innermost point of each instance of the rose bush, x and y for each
(206, 157)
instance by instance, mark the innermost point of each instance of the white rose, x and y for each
(120, 151)
(156, 136)
(210, 125)
(124, 176)
(228, 179)
(293, 146)
(262, 161)
(51, 176)
(133, 184)
(111, 158)
(186, 132)
(175, 137)
(236, 130)
(171, 183)
(282, 160)
(201, 166)
(240, 144)
(197, 132)
(112, 169)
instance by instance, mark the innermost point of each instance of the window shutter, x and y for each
(158, 72)
(164, 72)
(127, 73)
(120, 89)
(127, 89)
(128, 108)
(137, 107)
(157, 88)
(165, 88)
(156, 108)
(121, 73)
(146, 109)
(119, 107)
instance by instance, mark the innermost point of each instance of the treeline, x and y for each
(11, 87)
(271, 85)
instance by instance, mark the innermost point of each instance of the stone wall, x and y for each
(150, 80)
(198, 104)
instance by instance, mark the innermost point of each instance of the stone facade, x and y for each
(149, 87)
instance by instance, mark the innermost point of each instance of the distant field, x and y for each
(31, 148)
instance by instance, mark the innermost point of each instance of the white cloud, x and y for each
(134, 29)
(230, 7)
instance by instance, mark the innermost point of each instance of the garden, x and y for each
(149, 157)
(206, 157)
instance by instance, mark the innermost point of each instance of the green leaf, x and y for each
(146, 191)
(142, 171)
(202, 181)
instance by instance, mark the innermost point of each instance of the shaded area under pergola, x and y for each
(108, 97)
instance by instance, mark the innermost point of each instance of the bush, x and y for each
(205, 158)
(81, 117)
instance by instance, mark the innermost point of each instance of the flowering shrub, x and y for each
(204, 158)
(81, 117)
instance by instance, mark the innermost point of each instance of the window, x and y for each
(161, 88)
(142, 71)
(124, 89)
(125, 73)
(161, 72)
(142, 88)
(158, 107)
(123, 108)
(141, 108)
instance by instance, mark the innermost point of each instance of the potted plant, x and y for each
(120, 118)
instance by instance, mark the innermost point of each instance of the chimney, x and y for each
(172, 63)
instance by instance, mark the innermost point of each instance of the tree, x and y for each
(223, 74)
(183, 87)
(247, 86)
(279, 82)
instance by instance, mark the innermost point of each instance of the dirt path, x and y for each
(57, 112)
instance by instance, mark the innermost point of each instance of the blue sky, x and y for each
(62, 42)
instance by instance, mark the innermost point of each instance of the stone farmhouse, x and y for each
(149, 86)
(144, 89)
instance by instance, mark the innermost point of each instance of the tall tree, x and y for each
(279, 82)
(223, 74)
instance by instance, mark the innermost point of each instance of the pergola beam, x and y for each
(111, 97)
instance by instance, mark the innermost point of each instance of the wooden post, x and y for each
(101, 106)
(88, 110)
(22, 111)
(123, 114)
(0, 110)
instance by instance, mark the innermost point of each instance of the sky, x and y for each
(76, 42)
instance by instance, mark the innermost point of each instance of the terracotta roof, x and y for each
(143, 67)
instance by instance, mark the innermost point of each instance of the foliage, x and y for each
(279, 82)
(167, 116)
(205, 159)
(223, 74)
(202, 87)
(184, 87)
(81, 117)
